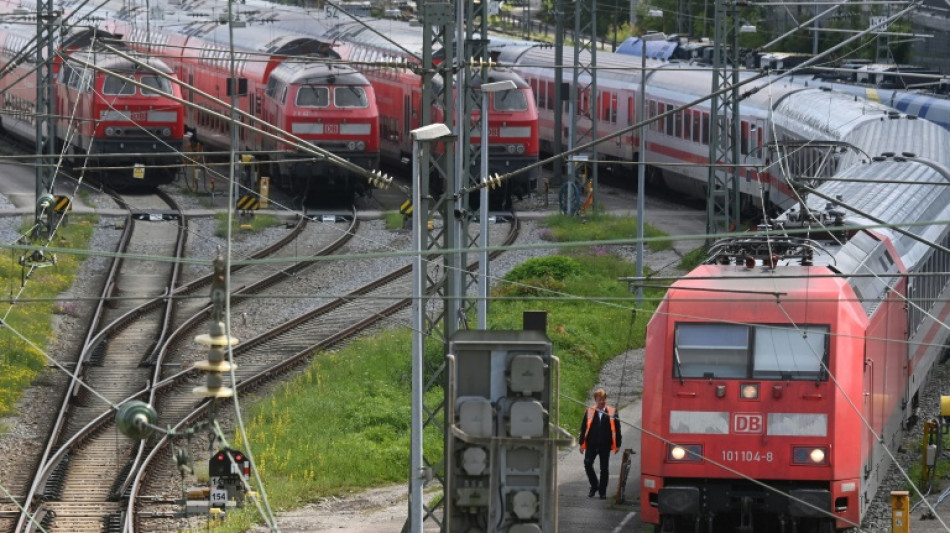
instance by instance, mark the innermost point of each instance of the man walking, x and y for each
(599, 435)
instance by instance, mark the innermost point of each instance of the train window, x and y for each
(117, 85)
(509, 101)
(711, 350)
(350, 96)
(789, 353)
(670, 120)
(550, 92)
(311, 96)
(767, 352)
(157, 83)
(697, 126)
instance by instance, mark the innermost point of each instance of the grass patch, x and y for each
(693, 259)
(602, 227)
(256, 223)
(394, 220)
(20, 362)
(303, 437)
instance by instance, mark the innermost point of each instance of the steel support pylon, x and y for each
(585, 106)
(456, 29)
(46, 21)
(722, 191)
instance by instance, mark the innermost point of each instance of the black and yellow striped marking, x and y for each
(406, 208)
(248, 202)
(62, 203)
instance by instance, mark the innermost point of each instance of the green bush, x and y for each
(556, 267)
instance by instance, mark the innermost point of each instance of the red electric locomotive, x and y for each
(292, 83)
(783, 370)
(129, 134)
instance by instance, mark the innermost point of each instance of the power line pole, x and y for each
(583, 103)
(722, 191)
(47, 20)
(458, 29)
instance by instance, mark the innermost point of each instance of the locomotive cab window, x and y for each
(157, 83)
(350, 96)
(310, 96)
(762, 351)
(509, 101)
(117, 85)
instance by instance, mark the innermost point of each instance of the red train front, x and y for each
(771, 382)
(120, 132)
(141, 125)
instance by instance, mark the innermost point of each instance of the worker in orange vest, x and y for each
(599, 435)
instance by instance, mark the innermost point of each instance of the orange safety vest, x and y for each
(610, 411)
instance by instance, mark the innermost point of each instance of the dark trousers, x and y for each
(589, 456)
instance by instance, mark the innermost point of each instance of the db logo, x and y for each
(332, 129)
(139, 116)
(747, 423)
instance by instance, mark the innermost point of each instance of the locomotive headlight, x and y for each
(166, 132)
(749, 391)
(360, 146)
(519, 148)
(511, 149)
(351, 145)
(809, 455)
(110, 131)
(685, 453)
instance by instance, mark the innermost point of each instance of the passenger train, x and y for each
(785, 365)
(785, 130)
(123, 133)
(880, 83)
(371, 43)
(293, 83)
(512, 115)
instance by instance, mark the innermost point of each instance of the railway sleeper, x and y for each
(116, 491)
(113, 522)
(53, 489)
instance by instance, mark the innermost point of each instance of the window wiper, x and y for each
(676, 365)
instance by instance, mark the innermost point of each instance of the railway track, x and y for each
(259, 360)
(78, 480)
(110, 368)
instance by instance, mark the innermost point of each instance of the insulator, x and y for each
(479, 63)
(136, 419)
(380, 180)
(492, 182)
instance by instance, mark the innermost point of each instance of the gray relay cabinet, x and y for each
(502, 438)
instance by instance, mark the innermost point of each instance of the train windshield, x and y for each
(310, 96)
(350, 96)
(157, 83)
(117, 85)
(762, 351)
(509, 101)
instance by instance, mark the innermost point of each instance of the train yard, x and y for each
(787, 372)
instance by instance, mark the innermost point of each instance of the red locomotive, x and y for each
(368, 43)
(292, 83)
(129, 134)
(783, 370)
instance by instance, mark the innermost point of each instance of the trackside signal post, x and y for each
(502, 432)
